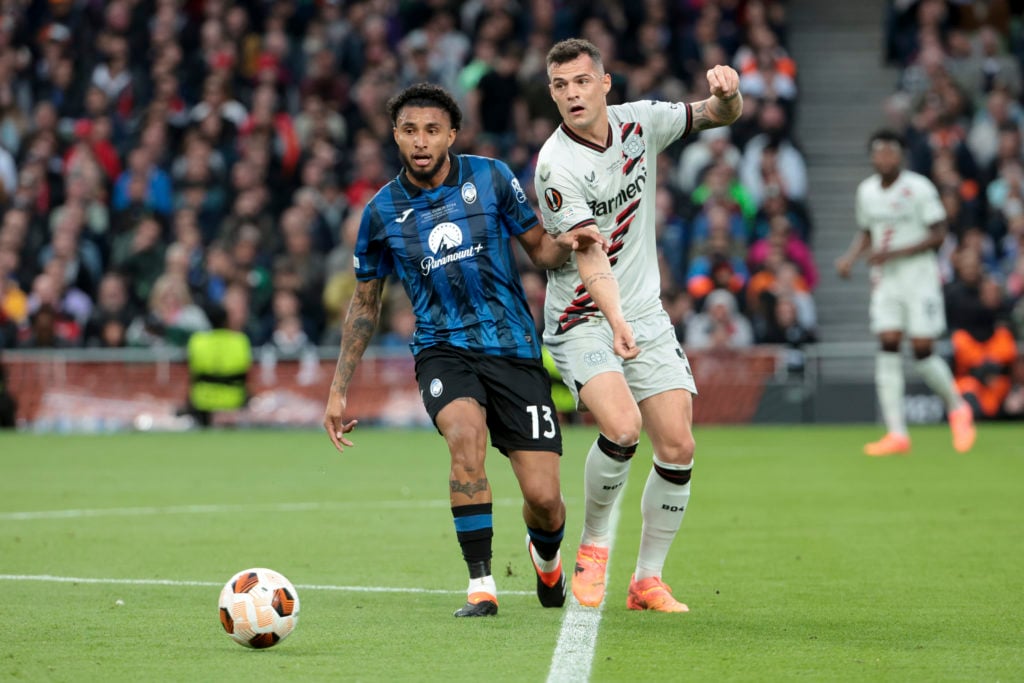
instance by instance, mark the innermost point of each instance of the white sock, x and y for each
(603, 478)
(663, 505)
(484, 584)
(936, 374)
(889, 384)
(545, 565)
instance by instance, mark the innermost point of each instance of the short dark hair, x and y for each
(886, 135)
(425, 95)
(571, 48)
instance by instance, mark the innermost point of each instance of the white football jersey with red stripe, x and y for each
(610, 187)
(899, 216)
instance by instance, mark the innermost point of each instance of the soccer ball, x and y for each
(258, 607)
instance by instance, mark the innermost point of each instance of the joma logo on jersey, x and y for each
(629, 192)
(443, 237)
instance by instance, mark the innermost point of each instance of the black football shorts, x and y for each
(515, 392)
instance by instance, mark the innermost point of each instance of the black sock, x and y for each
(474, 527)
(546, 542)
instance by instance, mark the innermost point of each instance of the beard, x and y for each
(423, 175)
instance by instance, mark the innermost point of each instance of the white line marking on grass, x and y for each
(577, 639)
(49, 578)
(230, 509)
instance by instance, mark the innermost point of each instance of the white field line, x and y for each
(49, 578)
(231, 509)
(574, 652)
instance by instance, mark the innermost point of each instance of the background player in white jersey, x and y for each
(621, 360)
(902, 223)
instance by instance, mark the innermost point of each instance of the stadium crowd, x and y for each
(959, 105)
(162, 157)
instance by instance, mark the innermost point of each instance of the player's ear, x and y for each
(606, 82)
(452, 134)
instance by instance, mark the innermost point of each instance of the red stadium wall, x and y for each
(54, 393)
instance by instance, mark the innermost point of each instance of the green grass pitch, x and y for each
(800, 559)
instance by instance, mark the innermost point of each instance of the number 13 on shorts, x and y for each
(541, 416)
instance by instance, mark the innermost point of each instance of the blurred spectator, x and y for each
(82, 260)
(999, 69)
(156, 190)
(775, 205)
(287, 339)
(984, 351)
(720, 185)
(51, 288)
(770, 157)
(171, 316)
(139, 255)
(784, 328)
(1000, 116)
(720, 326)
(112, 313)
(711, 147)
(777, 278)
(218, 274)
(794, 249)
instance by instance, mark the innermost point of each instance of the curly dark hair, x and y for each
(425, 95)
(886, 135)
(571, 48)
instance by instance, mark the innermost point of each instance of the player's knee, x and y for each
(464, 444)
(922, 351)
(624, 432)
(466, 436)
(890, 345)
(546, 503)
(679, 451)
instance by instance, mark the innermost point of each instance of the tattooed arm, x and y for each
(360, 323)
(596, 274)
(725, 104)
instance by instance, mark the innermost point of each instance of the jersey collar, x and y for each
(451, 180)
(587, 143)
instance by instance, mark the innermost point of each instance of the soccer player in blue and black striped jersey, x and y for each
(443, 227)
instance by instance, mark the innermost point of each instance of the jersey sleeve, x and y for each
(562, 204)
(929, 206)
(372, 257)
(514, 209)
(664, 122)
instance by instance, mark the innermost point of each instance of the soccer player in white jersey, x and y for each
(616, 350)
(902, 223)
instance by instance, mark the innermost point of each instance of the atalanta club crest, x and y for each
(469, 193)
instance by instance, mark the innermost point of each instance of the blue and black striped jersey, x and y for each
(450, 246)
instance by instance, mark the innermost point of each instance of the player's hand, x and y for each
(724, 82)
(844, 266)
(583, 238)
(335, 424)
(623, 344)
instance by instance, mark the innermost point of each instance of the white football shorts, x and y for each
(586, 351)
(918, 311)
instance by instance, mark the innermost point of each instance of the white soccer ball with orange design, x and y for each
(259, 607)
